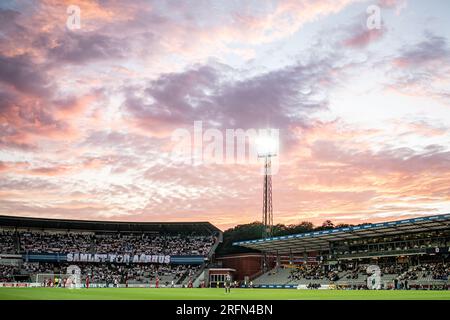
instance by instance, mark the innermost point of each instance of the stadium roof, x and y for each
(320, 240)
(107, 226)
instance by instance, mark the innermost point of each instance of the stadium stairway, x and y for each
(321, 281)
(274, 276)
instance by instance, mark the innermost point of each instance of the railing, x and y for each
(256, 275)
(381, 253)
(214, 246)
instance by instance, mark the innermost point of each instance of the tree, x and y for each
(326, 225)
(254, 230)
(239, 233)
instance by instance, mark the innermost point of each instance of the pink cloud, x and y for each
(92, 112)
(364, 38)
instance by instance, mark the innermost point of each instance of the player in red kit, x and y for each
(157, 282)
(87, 282)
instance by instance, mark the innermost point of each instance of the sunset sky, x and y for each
(86, 115)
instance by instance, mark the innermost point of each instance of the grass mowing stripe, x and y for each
(213, 294)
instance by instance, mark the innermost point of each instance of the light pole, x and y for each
(267, 209)
(267, 147)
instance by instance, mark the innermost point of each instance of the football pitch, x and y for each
(212, 294)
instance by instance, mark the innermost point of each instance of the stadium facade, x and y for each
(414, 252)
(409, 253)
(34, 250)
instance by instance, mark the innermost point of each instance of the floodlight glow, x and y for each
(266, 145)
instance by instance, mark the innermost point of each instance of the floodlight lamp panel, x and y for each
(266, 146)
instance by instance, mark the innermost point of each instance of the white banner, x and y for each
(117, 258)
(19, 284)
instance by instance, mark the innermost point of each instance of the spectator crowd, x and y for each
(104, 273)
(67, 242)
(313, 272)
(399, 273)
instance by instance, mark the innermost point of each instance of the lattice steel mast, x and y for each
(267, 212)
(268, 146)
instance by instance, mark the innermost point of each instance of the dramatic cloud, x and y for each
(86, 115)
(363, 38)
(423, 68)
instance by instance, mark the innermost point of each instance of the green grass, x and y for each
(212, 294)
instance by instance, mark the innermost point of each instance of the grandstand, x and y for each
(409, 254)
(37, 251)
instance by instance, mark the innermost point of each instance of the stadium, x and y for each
(64, 259)
(224, 150)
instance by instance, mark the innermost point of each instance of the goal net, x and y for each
(71, 279)
(46, 278)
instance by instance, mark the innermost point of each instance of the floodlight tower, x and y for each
(267, 210)
(267, 149)
(267, 146)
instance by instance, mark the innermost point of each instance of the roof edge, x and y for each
(344, 229)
